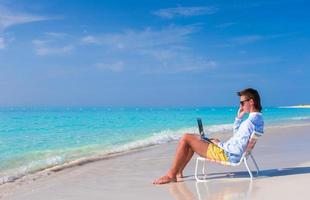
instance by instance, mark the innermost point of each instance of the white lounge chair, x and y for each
(251, 143)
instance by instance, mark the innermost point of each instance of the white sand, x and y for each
(282, 154)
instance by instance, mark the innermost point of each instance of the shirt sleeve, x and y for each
(237, 143)
(237, 124)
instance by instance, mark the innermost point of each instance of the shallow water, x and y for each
(32, 139)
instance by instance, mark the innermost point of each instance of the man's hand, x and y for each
(241, 113)
(215, 141)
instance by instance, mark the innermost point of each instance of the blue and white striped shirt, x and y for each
(235, 146)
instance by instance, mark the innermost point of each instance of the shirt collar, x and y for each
(255, 113)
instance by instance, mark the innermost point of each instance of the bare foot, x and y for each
(164, 179)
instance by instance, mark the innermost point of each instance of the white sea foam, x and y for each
(33, 166)
(98, 152)
(165, 137)
(300, 118)
(298, 106)
(220, 128)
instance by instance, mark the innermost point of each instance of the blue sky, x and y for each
(153, 53)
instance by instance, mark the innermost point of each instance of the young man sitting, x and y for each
(231, 150)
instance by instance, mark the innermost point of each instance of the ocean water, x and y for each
(33, 139)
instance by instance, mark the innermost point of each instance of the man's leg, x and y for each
(188, 158)
(189, 143)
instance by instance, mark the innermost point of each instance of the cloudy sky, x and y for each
(153, 53)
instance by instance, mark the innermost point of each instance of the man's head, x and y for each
(250, 97)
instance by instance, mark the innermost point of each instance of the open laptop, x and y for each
(201, 131)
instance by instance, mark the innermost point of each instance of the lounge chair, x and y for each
(247, 153)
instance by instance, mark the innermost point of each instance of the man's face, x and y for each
(245, 103)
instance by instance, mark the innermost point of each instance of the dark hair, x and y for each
(250, 93)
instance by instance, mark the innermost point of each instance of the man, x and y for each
(231, 150)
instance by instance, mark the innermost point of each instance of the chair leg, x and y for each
(247, 167)
(196, 172)
(257, 169)
(204, 168)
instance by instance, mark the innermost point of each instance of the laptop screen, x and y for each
(199, 121)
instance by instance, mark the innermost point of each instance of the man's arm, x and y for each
(238, 119)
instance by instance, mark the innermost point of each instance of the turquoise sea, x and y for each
(33, 139)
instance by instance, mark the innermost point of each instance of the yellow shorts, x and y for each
(216, 153)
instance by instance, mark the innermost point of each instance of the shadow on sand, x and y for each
(235, 185)
(262, 174)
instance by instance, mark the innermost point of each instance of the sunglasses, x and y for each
(242, 102)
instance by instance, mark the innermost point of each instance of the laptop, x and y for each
(201, 131)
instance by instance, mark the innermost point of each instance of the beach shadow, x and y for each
(285, 171)
(262, 174)
(240, 188)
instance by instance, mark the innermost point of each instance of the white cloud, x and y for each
(247, 39)
(10, 18)
(151, 51)
(38, 42)
(170, 13)
(5, 40)
(115, 67)
(147, 38)
(42, 51)
(54, 43)
(55, 34)
(89, 40)
(182, 63)
(48, 47)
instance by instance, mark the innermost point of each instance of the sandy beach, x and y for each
(282, 155)
(96, 95)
